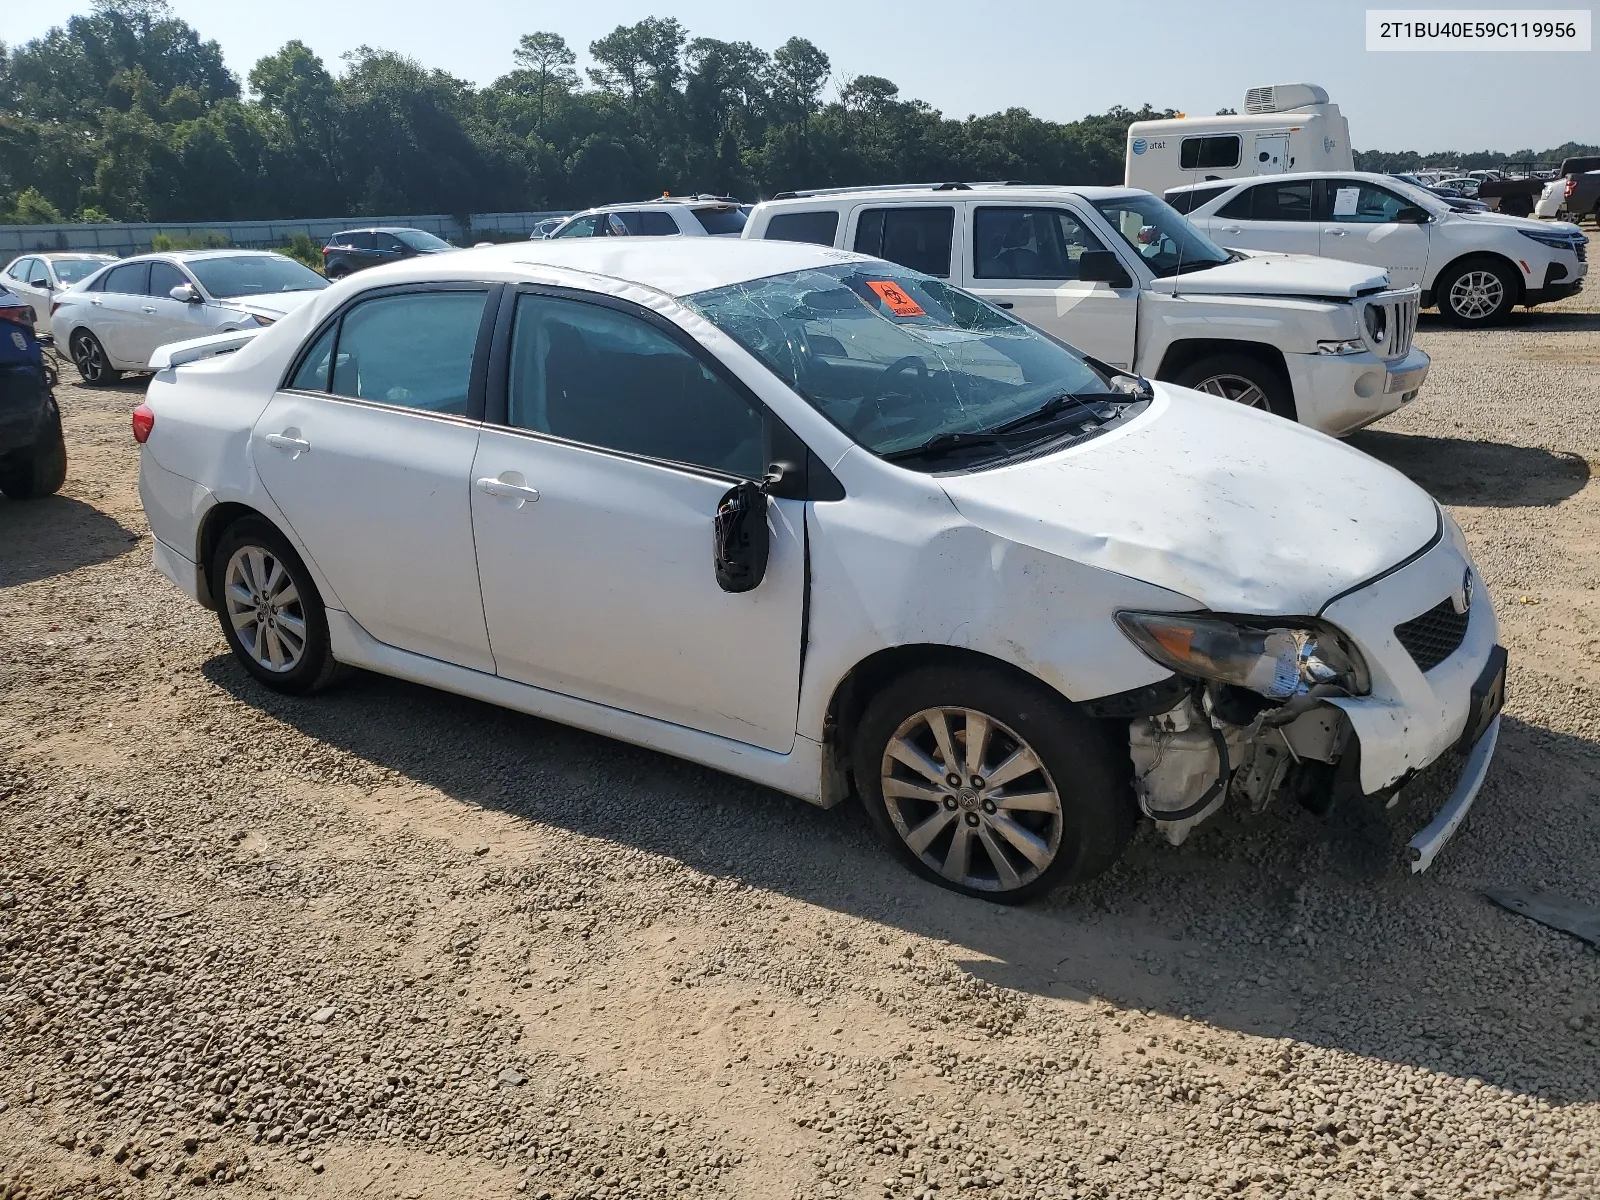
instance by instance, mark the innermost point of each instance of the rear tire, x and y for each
(1243, 379)
(39, 470)
(1044, 801)
(89, 356)
(1476, 293)
(272, 615)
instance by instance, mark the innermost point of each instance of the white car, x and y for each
(37, 278)
(666, 216)
(1476, 267)
(113, 321)
(1120, 275)
(810, 517)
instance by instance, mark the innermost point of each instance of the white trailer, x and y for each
(1287, 127)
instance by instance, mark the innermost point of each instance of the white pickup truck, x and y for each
(1122, 276)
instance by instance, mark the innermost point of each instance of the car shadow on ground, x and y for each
(1479, 474)
(54, 535)
(1526, 320)
(1275, 925)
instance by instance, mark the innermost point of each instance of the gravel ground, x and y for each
(392, 943)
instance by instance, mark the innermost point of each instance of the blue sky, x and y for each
(1060, 59)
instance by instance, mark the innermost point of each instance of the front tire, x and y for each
(42, 468)
(272, 615)
(1476, 293)
(1242, 379)
(89, 356)
(990, 784)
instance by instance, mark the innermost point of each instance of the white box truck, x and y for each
(1287, 127)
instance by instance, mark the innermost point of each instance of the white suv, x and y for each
(669, 216)
(1120, 275)
(1476, 267)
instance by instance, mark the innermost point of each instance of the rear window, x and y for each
(1201, 153)
(818, 228)
(1187, 202)
(918, 238)
(721, 220)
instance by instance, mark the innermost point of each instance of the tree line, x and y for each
(128, 114)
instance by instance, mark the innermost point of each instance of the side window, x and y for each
(1187, 202)
(129, 279)
(413, 350)
(313, 373)
(1362, 203)
(818, 228)
(1028, 243)
(583, 227)
(643, 224)
(918, 238)
(39, 273)
(1203, 153)
(20, 269)
(1271, 202)
(163, 278)
(386, 242)
(592, 374)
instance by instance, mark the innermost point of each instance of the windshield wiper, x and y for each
(941, 444)
(1055, 406)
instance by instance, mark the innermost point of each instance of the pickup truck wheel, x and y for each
(1242, 379)
(42, 468)
(272, 615)
(990, 785)
(1476, 293)
(89, 356)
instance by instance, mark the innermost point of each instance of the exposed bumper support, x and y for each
(1427, 844)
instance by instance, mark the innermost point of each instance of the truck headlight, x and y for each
(1348, 346)
(1275, 661)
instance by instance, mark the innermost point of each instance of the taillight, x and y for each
(1572, 186)
(144, 420)
(22, 315)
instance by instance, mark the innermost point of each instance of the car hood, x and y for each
(273, 306)
(1566, 228)
(1240, 510)
(1279, 275)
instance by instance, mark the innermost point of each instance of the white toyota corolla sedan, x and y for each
(828, 524)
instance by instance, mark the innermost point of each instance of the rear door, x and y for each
(1358, 225)
(368, 453)
(116, 313)
(1274, 216)
(1271, 154)
(1024, 257)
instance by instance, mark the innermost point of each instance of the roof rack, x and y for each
(693, 198)
(953, 186)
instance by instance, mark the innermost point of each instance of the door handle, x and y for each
(1334, 232)
(289, 445)
(1004, 304)
(148, 308)
(97, 302)
(508, 489)
(1229, 229)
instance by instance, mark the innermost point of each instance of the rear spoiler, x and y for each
(175, 354)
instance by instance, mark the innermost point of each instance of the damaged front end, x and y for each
(1253, 723)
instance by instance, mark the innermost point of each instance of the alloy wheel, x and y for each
(1236, 388)
(1476, 295)
(264, 607)
(971, 799)
(89, 358)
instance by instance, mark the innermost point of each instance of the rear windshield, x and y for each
(418, 240)
(70, 270)
(254, 275)
(721, 220)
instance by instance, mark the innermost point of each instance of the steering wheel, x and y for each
(909, 361)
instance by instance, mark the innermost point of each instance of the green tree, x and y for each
(548, 61)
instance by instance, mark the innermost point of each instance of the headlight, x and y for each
(1557, 241)
(1275, 661)
(1349, 346)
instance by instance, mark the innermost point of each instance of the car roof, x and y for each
(382, 229)
(1369, 176)
(667, 203)
(921, 195)
(196, 255)
(617, 266)
(59, 255)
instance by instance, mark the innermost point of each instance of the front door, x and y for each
(1025, 258)
(368, 454)
(1359, 225)
(592, 507)
(167, 320)
(1271, 153)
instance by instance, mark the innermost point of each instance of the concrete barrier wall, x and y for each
(258, 235)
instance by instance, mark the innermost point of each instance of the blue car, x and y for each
(33, 456)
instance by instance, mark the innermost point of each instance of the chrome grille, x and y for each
(1389, 321)
(1435, 635)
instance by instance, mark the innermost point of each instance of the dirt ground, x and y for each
(391, 943)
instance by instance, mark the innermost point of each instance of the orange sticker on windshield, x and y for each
(900, 304)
